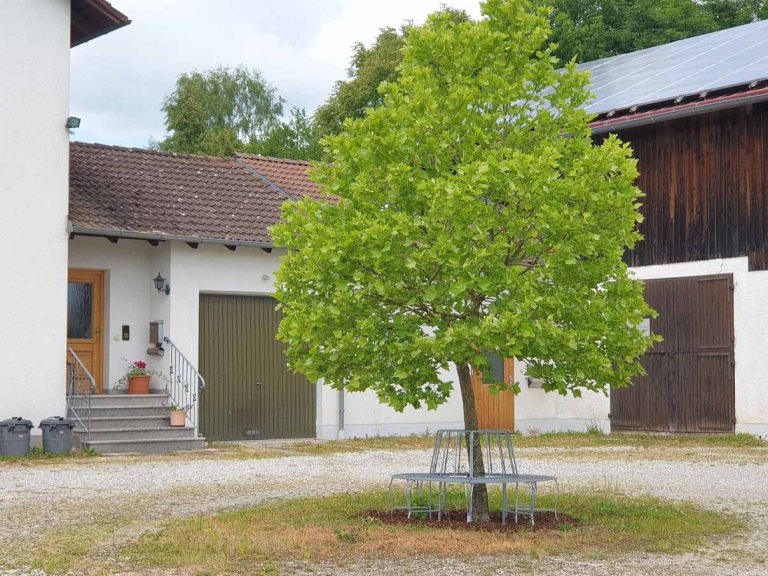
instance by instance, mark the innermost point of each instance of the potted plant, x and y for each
(138, 378)
(178, 416)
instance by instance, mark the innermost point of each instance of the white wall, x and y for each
(540, 411)
(131, 299)
(127, 297)
(34, 156)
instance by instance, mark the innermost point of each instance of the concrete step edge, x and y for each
(145, 441)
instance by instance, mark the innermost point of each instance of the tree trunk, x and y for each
(480, 491)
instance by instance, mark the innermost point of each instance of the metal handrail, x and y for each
(185, 383)
(78, 396)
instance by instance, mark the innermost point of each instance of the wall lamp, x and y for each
(73, 122)
(161, 284)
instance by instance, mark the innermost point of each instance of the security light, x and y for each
(73, 122)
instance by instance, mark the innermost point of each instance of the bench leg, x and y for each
(469, 503)
(504, 504)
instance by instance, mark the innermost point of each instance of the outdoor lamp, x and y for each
(160, 284)
(73, 122)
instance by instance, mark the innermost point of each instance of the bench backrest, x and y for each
(455, 449)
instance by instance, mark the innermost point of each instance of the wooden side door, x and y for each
(85, 315)
(495, 411)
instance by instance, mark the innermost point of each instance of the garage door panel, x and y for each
(251, 393)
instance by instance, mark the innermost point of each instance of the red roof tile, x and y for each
(291, 176)
(163, 194)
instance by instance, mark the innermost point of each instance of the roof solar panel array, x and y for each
(721, 59)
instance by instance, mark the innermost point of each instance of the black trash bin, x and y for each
(57, 434)
(14, 436)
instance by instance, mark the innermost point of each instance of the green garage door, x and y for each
(251, 394)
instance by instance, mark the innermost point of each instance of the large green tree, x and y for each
(224, 110)
(475, 215)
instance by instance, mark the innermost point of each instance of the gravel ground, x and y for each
(42, 496)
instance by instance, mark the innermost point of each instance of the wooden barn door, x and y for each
(689, 384)
(251, 393)
(495, 411)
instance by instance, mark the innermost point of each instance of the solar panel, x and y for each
(711, 61)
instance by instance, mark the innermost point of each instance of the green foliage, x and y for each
(476, 214)
(593, 29)
(220, 111)
(295, 138)
(367, 70)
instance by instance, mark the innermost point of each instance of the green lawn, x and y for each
(332, 528)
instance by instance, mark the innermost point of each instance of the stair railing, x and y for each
(80, 387)
(185, 383)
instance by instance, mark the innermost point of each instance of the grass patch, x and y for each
(589, 439)
(38, 454)
(330, 528)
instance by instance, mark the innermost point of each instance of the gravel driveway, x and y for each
(145, 491)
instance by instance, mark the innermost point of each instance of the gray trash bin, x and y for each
(14, 436)
(57, 434)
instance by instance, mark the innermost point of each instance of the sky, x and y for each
(302, 47)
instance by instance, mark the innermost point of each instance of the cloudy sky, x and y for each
(301, 46)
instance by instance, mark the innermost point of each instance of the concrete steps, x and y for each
(154, 446)
(135, 423)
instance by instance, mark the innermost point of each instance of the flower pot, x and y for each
(178, 417)
(138, 385)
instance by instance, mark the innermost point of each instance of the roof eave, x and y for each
(132, 235)
(105, 19)
(679, 111)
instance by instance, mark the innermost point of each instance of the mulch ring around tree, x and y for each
(458, 521)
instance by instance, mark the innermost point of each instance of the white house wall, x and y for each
(34, 150)
(540, 411)
(128, 296)
(131, 299)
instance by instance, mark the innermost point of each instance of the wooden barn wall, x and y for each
(706, 184)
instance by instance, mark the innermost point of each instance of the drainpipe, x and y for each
(341, 414)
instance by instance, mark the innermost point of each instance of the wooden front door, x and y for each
(689, 385)
(85, 313)
(495, 411)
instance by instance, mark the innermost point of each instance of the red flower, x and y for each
(140, 364)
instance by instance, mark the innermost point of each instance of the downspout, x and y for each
(341, 433)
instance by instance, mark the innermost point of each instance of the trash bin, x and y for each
(57, 434)
(14, 436)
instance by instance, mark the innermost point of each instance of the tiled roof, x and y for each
(288, 175)
(92, 18)
(161, 194)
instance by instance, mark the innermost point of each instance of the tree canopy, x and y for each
(592, 29)
(369, 67)
(224, 110)
(475, 215)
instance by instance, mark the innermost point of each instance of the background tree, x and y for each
(219, 111)
(368, 68)
(295, 138)
(467, 223)
(224, 110)
(593, 29)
